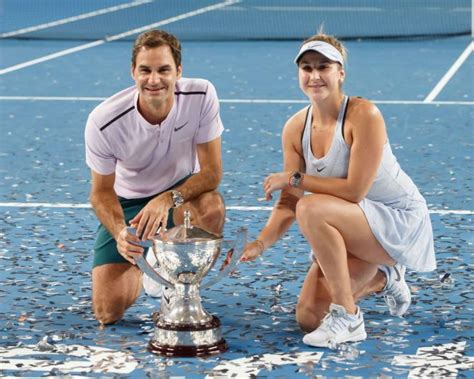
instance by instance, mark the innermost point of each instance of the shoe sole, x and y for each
(401, 311)
(356, 338)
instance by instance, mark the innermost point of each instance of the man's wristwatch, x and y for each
(177, 198)
(295, 179)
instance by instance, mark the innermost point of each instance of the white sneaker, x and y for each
(155, 289)
(337, 326)
(151, 287)
(396, 292)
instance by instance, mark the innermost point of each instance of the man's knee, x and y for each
(212, 211)
(115, 287)
(109, 310)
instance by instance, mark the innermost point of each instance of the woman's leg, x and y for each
(334, 228)
(314, 300)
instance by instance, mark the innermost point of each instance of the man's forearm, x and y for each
(204, 181)
(109, 212)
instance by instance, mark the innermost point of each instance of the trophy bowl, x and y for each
(184, 256)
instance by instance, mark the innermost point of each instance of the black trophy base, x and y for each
(187, 351)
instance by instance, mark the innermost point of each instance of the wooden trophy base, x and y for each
(187, 351)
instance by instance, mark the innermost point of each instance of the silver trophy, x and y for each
(184, 255)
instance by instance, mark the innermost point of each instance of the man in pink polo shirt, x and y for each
(154, 151)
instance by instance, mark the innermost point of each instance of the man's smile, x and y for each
(154, 90)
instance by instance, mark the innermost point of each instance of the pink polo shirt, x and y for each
(148, 159)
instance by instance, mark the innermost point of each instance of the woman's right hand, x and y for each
(252, 251)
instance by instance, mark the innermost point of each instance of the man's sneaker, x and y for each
(155, 289)
(396, 292)
(338, 326)
(151, 287)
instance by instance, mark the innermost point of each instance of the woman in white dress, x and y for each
(363, 216)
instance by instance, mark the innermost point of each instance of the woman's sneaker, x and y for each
(338, 326)
(396, 292)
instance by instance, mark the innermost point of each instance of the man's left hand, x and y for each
(152, 216)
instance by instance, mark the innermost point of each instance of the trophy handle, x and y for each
(145, 266)
(147, 269)
(235, 250)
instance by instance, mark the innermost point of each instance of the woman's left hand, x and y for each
(275, 182)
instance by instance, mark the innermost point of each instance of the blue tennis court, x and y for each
(60, 59)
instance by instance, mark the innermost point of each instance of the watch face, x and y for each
(295, 179)
(177, 198)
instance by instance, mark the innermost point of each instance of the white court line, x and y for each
(450, 73)
(82, 16)
(118, 36)
(230, 207)
(51, 56)
(237, 101)
(317, 9)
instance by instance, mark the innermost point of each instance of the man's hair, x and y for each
(157, 38)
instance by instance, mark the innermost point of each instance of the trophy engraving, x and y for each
(185, 254)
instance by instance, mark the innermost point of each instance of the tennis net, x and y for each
(233, 19)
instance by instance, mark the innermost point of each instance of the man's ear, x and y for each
(180, 71)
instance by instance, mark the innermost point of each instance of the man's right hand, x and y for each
(128, 245)
(252, 251)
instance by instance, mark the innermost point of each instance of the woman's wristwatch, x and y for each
(295, 179)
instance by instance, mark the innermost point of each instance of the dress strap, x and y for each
(342, 116)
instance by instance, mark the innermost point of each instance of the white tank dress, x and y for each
(396, 211)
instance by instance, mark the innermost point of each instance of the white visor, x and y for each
(324, 48)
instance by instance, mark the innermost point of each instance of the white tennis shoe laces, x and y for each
(396, 292)
(337, 327)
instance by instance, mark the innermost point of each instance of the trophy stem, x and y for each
(186, 308)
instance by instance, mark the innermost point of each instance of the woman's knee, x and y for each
(313, 208)
(309, 317)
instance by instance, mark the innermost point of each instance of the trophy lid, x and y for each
(186, 233)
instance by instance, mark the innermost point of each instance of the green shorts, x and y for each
(105, 248)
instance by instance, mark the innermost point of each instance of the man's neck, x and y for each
(155, 114)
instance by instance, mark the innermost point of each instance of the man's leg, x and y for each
(115, 287)
(116, 284)
(207, 212)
